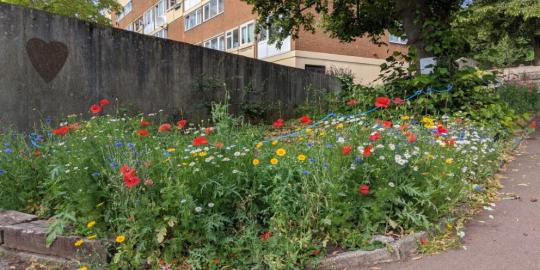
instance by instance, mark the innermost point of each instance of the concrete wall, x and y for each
(143, 72)
(524, 75)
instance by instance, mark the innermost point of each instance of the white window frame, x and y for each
(198, 19)
(160, 13)
(246, 26)
(161, 33)
(230, 34)
(212, 9)
(125, 11)
(149, 23)
(219, 42)
(173, 4)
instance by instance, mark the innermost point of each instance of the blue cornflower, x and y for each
(131, 145)
(358, 159)
(7, 144)
(8, 151)
(114, 165)
(118, 144)
(305, 172)
(311, 159)
(2, 171)
(325, 165)
(167, 153)
(96, 174)
(477, 188)
(329, 145)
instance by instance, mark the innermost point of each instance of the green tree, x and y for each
(88, 10)
(350, 19)
(497, 26)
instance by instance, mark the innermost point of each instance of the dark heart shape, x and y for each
(47, 58)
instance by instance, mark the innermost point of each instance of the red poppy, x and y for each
(368, 150)
(164, 128)
(95, 108)
(533, 125)
(305, 120)
(278, 123)
(403, 127)
(352, 102)
(411, 137)
(208, 130)
(143, 132)
(375, 136)
(126, 169)
(145, 123)
(104, 102)
(450, 142)
(181, 124)
(442, 130)
(424, 241)
(363, 189)
(382, 102)
(201, 140)
(61, 131)
(387, 124)
(346, 150)
(398, 101)
(265, 235)
(131, 180)
(316, 252)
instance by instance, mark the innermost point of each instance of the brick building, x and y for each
(229, 25)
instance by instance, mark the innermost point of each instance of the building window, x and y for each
(159, 12)
(247, 33)
(315, 68)
(190, 3)
(125, 10)
(138, 25)
(233, 39)
(176, 4)
(398, 40)
(193, 19)
(161, 33)
(217, 43)
(212, 9)
(148, 21)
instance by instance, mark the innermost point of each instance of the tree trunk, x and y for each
(407, 11)
(536, 48)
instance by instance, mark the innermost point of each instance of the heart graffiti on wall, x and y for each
(47, 58)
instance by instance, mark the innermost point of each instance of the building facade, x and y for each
(229, 25)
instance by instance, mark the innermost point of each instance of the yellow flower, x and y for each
(274, 161)
(322, 133)
(79, 243)
(309, 131)
(281, 152)
(92, 237)
(275, 142)
(203, 154)
(256, 162)
(449, 161)
(405, 117)
(91, 224)
(339, 126)
(83, 268)
(259, 145)
(428, 122)
(171, 150)
(301, 157)
(120, 239)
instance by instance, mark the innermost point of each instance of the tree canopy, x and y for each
(347, 20)
(502, 32)
(88, 10)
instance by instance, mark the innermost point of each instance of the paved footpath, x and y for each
(510, 238)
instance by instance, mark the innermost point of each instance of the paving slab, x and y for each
(505, 237)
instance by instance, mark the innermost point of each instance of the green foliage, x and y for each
(212, 207)
(88, 10)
